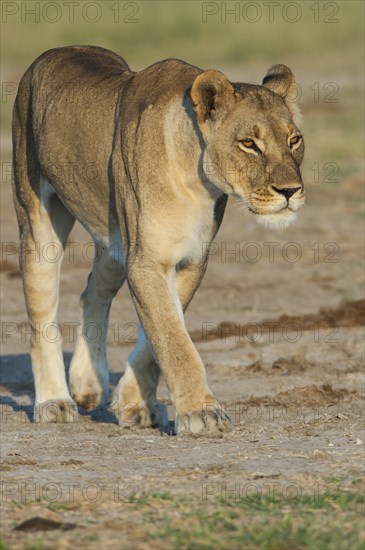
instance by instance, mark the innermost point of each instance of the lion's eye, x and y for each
(249, 143)
(295, 139)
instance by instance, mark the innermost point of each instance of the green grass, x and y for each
(330, 520)
(267, 523)
(36, 546)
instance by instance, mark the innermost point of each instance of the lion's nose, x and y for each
(287, 191)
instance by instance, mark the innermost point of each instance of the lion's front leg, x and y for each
(156, 296)
(211, 417)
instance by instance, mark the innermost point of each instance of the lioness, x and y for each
(166, 147)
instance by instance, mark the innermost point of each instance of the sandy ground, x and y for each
(279, 326)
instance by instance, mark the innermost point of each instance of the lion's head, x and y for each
(254, 147)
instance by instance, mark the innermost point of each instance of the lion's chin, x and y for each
(278, 220)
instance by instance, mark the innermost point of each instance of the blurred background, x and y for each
(321, 42)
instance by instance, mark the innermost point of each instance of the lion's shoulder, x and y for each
(159, 82)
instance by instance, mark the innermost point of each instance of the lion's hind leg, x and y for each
(44, 226)
(89, 376)
(44, 232)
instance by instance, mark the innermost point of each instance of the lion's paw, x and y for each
(209, 421)
(139, 415)
(89, 392)
(89, 401)
(56, 410)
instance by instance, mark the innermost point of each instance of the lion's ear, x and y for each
(210, 92)
(280, 79)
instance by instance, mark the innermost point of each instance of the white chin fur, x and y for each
(277, 221)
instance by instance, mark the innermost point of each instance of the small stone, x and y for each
(260, 475)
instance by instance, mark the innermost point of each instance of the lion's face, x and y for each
(254, 148)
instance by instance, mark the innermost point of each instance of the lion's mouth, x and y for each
(291, 206)
(278, 210)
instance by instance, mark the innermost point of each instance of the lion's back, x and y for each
(80, 61)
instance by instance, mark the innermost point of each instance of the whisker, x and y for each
(242, 206)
